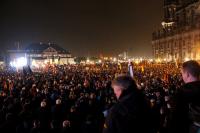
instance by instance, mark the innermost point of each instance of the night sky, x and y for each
(84, 27)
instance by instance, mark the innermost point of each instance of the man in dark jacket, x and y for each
(131, 113)
(185, 116)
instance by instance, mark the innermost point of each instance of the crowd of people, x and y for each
(76, 98)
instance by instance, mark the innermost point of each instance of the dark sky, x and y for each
(84, 27)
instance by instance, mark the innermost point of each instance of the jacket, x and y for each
(186, 110)
(130, 115)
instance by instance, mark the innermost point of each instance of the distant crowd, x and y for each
(76, 98)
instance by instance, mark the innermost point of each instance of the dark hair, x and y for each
(125, 81)
(192, 67)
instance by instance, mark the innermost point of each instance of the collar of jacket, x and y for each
(192, 84)
(191, 87)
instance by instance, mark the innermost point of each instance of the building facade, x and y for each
(39, 54)
(179, 37)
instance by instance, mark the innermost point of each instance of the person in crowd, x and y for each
(36, 127)
(131, 113)
(82, 95)
(186, 110)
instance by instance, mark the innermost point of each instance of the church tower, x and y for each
(170, 7)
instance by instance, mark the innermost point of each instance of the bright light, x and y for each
(158, 60)
(165, 60)
(105, 58)
(167, 24)
(137, 61)
(151, 60)
(12, 64)
(100, 61)
(34, 64)
(187, 59)
(88, 61)
(56, 61)
(46, 61)
(114, 59)
(19, 62)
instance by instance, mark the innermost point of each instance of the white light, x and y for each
(158, 60)
(43, 65)
(114, 59)
(100, 61)
(187, 59)
(151, 60)
(34, 64)
(11, 64)
(20, 62)
(137, 61)
(46, 61)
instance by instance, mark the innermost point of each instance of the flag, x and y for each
(120, 66)
(130, 69)
(142, 68)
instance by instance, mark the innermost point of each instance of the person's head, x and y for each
(9, 116)
(43, 104)
(72, 109)
(36, 123)
(66, 124)
(152, 102)
(92, 96)
(122, 84)
(190, 71)
(58, 101)
(54, 124)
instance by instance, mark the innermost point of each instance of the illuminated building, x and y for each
(38, 54)
(179, 37)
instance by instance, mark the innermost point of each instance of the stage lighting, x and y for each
(19, 62)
